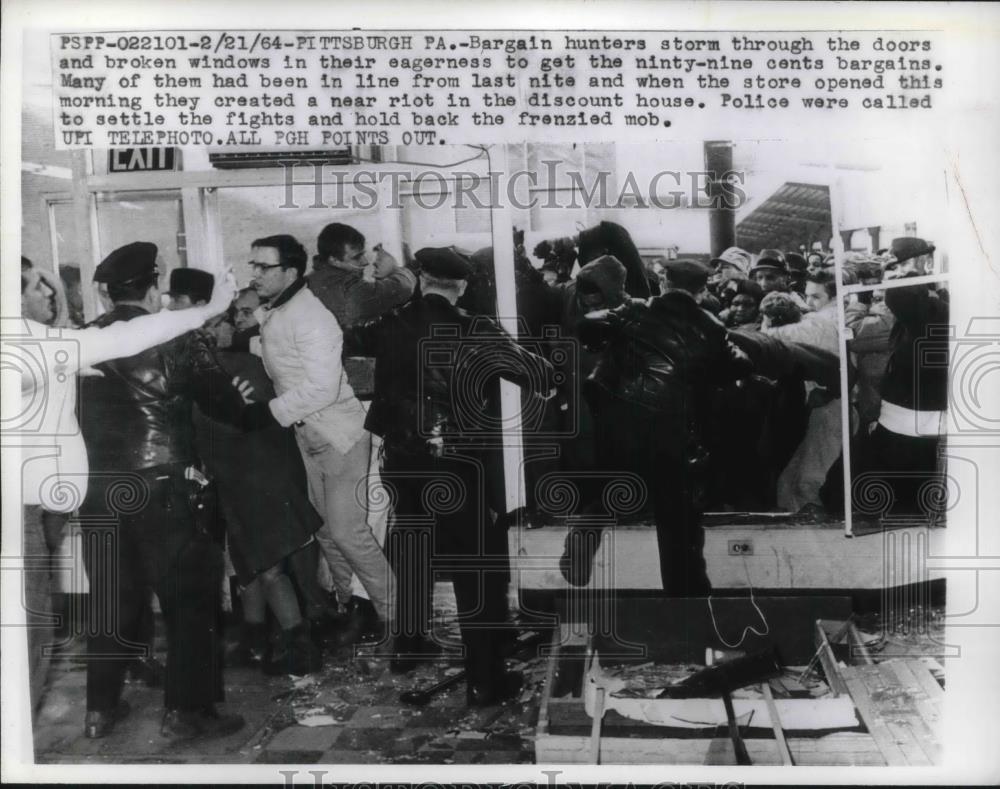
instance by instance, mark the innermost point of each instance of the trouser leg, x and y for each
(302, 566)
(280, 596)
(186, 568)
(679, 532)
(340, 570)
(115, 601)
(345, 514)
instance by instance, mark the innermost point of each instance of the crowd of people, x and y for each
(232, 422)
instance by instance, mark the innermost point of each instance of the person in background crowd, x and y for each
(815, 262)
(870, 325)
(427, 429)
(302, 344)
(136, 421)
(800, 483)
(189, 287)
(770, 271)
(262, 494)
(732, 264)
(744, 306)
(797, 272)
(779, 309)
(559, 256)
(905, 442)
(649, 394)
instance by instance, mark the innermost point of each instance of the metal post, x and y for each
(722, 214)
(502, 224)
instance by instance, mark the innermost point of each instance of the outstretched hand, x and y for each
(223, 293)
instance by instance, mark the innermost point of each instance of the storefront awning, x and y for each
(797, 213)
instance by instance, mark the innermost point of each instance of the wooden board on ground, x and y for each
(841, 749)
(900, 709)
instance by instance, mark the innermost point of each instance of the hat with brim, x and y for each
(733, 257)
(191, 282)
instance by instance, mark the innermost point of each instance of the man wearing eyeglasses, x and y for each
(301, 344)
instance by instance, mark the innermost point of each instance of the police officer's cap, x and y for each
(127, 263)
(444, 262)
(689, 275)
(191, 282)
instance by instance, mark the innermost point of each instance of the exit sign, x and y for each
(136, 160)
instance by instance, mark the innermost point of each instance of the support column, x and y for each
(722, 214)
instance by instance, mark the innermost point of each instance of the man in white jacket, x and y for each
(301, 344)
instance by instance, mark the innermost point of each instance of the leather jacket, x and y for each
(137, 413)
(660, 355)
(435, 370)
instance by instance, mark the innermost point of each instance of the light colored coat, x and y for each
(301, 344)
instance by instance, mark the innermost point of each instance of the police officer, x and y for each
(434, 361)
(138, 516)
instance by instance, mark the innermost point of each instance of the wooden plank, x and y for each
(672, 717)
(547, 687)
(595, 729)
(907, 699)
(849, 749)
(829, 662)
(884, 738)
(858, 647)
(925, 679)
(779, 735)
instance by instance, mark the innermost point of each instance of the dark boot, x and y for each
(205, 723)
(100, 723)
(250, 648)
(362, 623)
(296, 654)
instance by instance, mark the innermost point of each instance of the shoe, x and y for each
(147, 670)
(205, 723)
(250, 649)
(362, 625)
(298, 654)
(410, 652)
(100, 723)
(488, 694)
(577, 561)
(328, 626)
